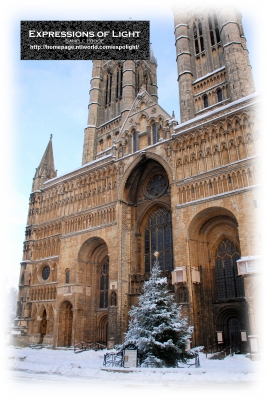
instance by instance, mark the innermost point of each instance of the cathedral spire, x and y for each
(152, 57)
(46, 169)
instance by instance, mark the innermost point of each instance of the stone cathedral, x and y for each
(148, 183)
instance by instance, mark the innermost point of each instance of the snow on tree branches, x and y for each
(156, 326)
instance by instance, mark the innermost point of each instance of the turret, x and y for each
(46, 169)
(238, 69)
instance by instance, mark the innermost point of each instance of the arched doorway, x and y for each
(94, 261)
(103, 330)
(65, 325)
(234, 334)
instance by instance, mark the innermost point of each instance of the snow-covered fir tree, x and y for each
(156, 326)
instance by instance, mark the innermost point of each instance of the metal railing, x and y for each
(114, 359)
(229, 350)
(84, 346)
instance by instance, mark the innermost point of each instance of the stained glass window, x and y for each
(229, 285)
(104, 282)
(158, 237)
(157, 185)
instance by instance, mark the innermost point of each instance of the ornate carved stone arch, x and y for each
(227, 312)
(141, 157)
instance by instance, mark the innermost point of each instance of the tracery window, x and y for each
(104, 282)
(158, 237)
(228, 284)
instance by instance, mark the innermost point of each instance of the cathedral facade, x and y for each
(147, 183)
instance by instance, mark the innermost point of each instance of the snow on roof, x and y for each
(209, 74)
(63, 177)
(217, 110)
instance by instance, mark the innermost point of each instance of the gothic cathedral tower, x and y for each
(212, 59)
(114, 87)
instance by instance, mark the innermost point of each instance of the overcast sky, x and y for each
(51, 97)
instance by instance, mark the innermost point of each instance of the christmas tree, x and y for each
(156, 326)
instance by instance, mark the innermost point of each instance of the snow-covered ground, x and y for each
(32, 373)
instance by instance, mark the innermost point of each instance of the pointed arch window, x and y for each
(158, 237)
(135, 141)
(119, 82)
(214, 30)
(201, 39)
(154, 130)
(211, 31)
(108, 89)
(228, 284)
(216, 25)
(196, 40)
(219, 94)
(104, 282)
(205, 101)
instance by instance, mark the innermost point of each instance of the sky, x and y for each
(41, 98)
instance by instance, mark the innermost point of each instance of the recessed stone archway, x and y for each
(65, 331)
(214, 247)
(93, 249)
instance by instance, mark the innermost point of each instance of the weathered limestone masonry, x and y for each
(147, 183)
